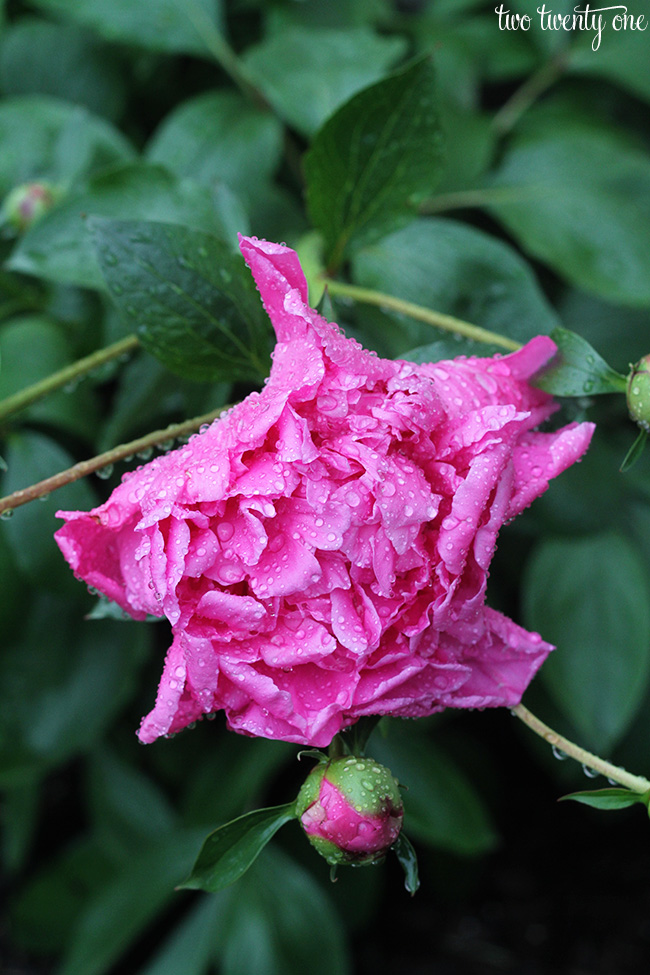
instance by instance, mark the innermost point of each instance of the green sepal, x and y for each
(403, 850)
(609, 798)
(634, 452)
(229, 851)
(577, 369)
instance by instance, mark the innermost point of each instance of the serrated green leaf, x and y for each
(58, 248)
(306, 73)
(403, 850)
(577, 369)
(607, 798)
(591, 598)
(161, 25)
(374, 159)
(191, 301)
(228, 852)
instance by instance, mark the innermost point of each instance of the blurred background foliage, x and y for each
(512, 191)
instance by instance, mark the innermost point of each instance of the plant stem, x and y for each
(223, 54)
(534, 86)
(435, 318)
(636, 783)
(71, 373)
(112, 456)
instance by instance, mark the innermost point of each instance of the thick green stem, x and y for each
(70, 374)
(435, 318)
(636, 783)
(122, 452)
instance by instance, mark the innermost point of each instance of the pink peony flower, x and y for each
(322, 551)
(351, 810)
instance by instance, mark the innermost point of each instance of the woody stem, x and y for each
(636, 783)
(445, 322)
(122, 452)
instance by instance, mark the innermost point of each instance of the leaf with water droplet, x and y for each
(194, 302)
(375, 159)
(577, 369)
(403, 850)
(608, 798)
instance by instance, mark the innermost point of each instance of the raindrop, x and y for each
(590, 772)
(7, 514)
(105, 472)
(559, 754)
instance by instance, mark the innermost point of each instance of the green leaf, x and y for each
(441, 807)
(161, 25)
(219, 137)
(620, 334)
(31, 457)
(608, 798)
(62, 685)
(20, 810)
(374, 159)
(448, 267)
(591, 598)
(192, 302)
(588, 223)
(74, 410)
(622, 56)
(279, 922)
(44, 138)
(228, 852)
(247, 765)
(128, 809)
(65, 61)
(59, 248)
(306, 73)
(407, 857)
(577, 369)
(634, 452)
(190, 946)
(123, 907)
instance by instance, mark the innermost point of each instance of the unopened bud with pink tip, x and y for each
(351, 810)
(27, 203)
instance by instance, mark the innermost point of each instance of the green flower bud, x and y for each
(27, 203)
(351, 810)
(638, 393)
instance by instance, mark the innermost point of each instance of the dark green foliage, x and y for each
(383, 144)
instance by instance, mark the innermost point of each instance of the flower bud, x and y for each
(638, 393)
(27, 203)
(351, 810)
